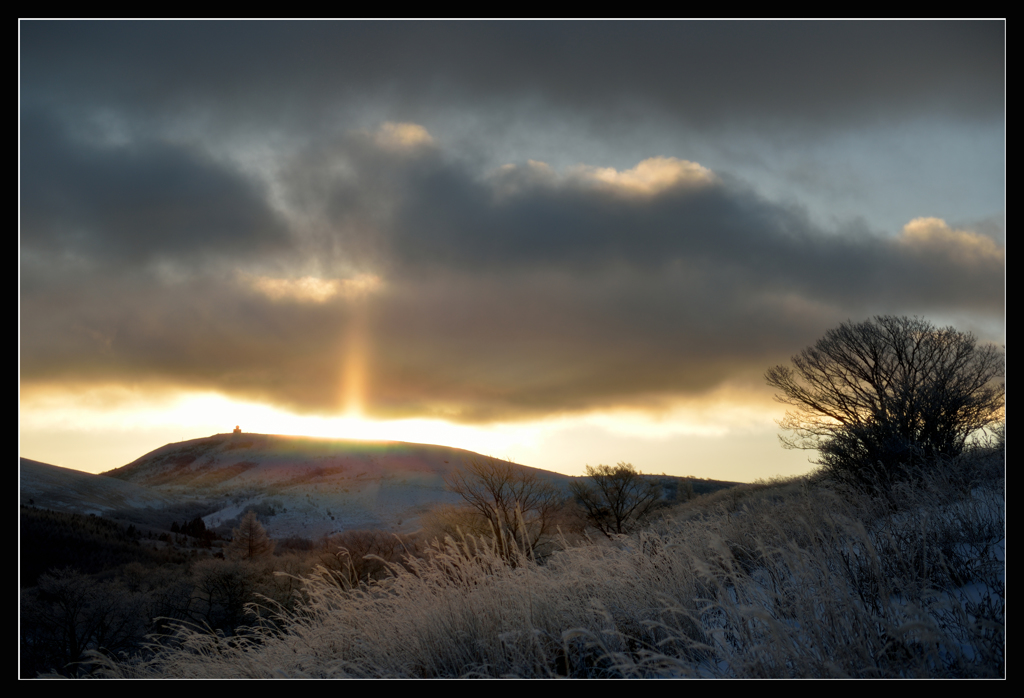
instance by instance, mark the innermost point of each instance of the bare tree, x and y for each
(617, 499)
(876, 396)
(519, 507)
(250, 540)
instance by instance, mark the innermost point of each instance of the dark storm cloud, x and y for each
(563, 297)
(205, 333)
(560, 295)
(136, 202)
(150, 253)
(775, 74)
(443, 217)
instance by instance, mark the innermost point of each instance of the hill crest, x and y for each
(305, 485)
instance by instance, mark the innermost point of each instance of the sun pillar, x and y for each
(354, 371)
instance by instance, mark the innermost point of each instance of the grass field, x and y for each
(788, 578)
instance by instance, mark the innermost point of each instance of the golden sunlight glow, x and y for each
(400, 136)
(354, 372)
(538, 167)
(354, 352)
(47, 416)
(649, 177)
(311, 289)
(730, 434)
(934, 233)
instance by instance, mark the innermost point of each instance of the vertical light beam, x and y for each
(354, 373)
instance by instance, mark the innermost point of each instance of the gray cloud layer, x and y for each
(521, 292)
(137, 203)
(702, 72)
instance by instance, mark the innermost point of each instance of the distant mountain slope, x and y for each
(302, 485)
(63, 489)
(229, 461)
(298, 486)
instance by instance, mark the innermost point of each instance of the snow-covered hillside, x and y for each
(63, 489)
(302, 486)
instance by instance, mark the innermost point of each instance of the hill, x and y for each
(302, 485)
(297, 485)
(63, 489)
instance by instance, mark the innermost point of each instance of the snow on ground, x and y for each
(64, 489)
(298, 486)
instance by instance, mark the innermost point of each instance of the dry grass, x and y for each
(777, 579)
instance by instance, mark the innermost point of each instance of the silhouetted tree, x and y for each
(518, 507)
(249, 540)
(878, 397)
(616, 499)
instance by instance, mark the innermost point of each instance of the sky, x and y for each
(564, 243)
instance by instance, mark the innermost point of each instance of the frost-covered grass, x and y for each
(794, 578)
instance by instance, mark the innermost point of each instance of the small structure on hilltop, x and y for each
(237, 430)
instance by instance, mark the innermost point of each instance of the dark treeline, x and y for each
(196, 528)
(89, 583)
(90, 544)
